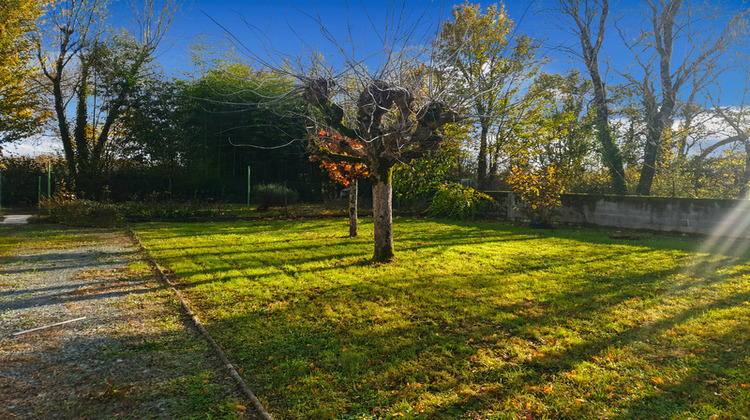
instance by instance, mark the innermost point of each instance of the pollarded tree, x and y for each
(386, 100)
(391, 127)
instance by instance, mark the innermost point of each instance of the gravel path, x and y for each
(127, 352)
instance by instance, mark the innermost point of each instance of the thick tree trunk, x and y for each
(612, 155)
(353, 190)
(650, 155)
(382, 215)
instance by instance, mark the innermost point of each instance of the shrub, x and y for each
(454, 201)
(274, 195)
(540, 189)
(65, 208)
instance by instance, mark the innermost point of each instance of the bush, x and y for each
(274, 195)
(65, 208)
(454, 201)
(540, 189)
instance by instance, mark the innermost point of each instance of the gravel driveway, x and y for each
(112, 342)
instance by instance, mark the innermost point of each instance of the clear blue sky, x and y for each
(291, 26)
(287, 26)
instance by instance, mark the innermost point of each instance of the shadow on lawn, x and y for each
(398, 356)
(436, 345)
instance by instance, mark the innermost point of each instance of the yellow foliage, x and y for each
(18, 100)
(539, 188)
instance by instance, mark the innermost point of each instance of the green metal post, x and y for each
(39, 190)
(49, 179)
(248, 187)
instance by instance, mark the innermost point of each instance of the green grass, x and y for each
(476, 320)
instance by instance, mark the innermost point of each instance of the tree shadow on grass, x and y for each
(305, 347)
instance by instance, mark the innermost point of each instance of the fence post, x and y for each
(49, 179)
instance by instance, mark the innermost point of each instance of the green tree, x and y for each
(93, 75)
(20, 110)
(554, 145)
(240, 116)
(415, 183)
(485, 66)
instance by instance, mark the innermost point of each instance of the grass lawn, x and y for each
(474, 320)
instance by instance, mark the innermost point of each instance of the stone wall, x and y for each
(704, 216)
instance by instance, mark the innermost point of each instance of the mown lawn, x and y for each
(474, 320)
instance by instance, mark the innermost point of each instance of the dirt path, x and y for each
(112, 343)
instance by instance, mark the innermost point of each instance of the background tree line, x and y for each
(659, 126)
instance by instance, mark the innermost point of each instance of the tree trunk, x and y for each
(382, 215)
(745, 176)
(482, 158)
(650, 155)
(353, 190)
(612, 155)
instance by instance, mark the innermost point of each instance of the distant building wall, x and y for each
(725, 217)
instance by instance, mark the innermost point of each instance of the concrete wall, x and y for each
(724, 217)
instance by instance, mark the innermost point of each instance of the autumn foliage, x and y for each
(540, 190)
(330, 145)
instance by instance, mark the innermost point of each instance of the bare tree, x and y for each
(387, 101)
(91, 74)
(410, 131)
(587, 21)
(736, 127)
(668, 24)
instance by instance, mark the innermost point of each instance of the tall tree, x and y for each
(93, 74)
(671, 24)
(587, 21)
(485, 66)
(20, 110)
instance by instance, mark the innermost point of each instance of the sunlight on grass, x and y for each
(481, 320)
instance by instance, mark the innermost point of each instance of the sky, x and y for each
(271, 29)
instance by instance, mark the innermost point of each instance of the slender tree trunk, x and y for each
(62, 124)
(382, 215)
(746, 175)
(353, 190)
(482, 158)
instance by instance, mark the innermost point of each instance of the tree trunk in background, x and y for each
(611, 153)
(353, 191)
(382, 215)
(650, 155)
(482, 158)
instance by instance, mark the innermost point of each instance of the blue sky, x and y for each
(290, 27)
